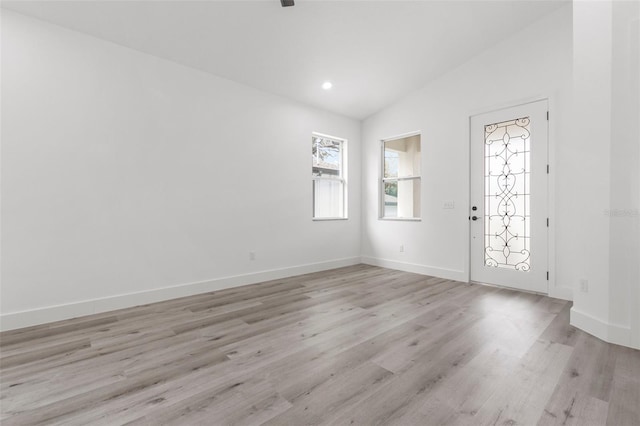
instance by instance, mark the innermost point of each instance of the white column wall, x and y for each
(606, 117)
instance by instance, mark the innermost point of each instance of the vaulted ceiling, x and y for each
(374, 52)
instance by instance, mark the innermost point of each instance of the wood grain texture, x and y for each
(356, 345)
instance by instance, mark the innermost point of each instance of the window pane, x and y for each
(391, 199)
(328, 198)
(402, 199)
(327, 157)
(391, 159)
(402, 157)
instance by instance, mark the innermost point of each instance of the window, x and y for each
(401, 178)
(328, 173)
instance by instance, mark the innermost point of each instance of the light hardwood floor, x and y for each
(357, 345)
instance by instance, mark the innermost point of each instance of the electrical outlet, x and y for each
(584, 286)
(449, 205)
(401, 248)
(252, 255)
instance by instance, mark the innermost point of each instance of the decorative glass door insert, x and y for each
(507, 204)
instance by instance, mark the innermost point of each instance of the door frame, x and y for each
(552, 289)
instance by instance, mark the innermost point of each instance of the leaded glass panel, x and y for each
(507, 224)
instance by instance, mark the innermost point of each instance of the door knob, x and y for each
(474, 217)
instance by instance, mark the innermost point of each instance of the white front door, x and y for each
(509, 190)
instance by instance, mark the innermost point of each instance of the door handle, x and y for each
(474, 218)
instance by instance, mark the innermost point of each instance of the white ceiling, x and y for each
(374, 52)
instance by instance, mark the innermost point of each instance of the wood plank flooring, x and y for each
(357, 345)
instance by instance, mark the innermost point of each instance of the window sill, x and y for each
(401, 219)
(324, 219)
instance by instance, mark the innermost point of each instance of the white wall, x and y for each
(125, 173)
(591, 142)
(535, 63)
(624, 302)
(606, 117)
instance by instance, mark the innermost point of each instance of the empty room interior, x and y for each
(320, 212)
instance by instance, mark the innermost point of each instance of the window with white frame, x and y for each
(328, 173)
(400, 191)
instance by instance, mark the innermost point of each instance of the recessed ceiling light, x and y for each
(327, 85)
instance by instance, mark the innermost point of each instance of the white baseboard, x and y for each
(449, 274)
(611, 333)
(14, 320)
